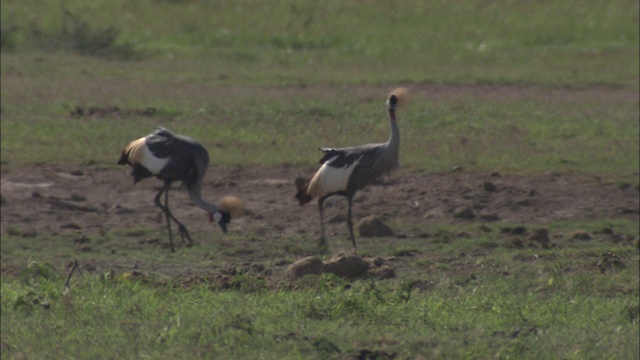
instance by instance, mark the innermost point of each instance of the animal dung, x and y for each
(232, 204)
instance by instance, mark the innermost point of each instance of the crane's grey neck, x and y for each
(394, 138)
(393, 145)
(194, 186)
(196, 196)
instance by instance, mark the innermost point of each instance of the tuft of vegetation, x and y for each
(75, 35)
(8, 35)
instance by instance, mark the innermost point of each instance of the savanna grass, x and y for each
(267, 83)
(487, 312)
(381, 42)
(520, 136)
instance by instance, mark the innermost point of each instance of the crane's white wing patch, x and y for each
(333, 179)
(152, 163)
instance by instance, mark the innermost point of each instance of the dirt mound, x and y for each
(349, 266)
(372, 226)
(310, 265)
(344, 266)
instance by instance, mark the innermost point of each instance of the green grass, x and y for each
(506, 86)
(268, 83)
(256, 128)
(471, 296)
(526, 303)
(377, 42)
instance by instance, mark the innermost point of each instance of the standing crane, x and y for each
(344, 171)
(171, 157)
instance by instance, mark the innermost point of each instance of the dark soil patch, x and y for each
(102, 112)
(48, 201)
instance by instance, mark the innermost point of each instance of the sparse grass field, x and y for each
(518, 88)
(505, 304)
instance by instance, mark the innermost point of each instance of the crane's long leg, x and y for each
(350, 225)
(182, 230)
(320, 207)
(165, 210)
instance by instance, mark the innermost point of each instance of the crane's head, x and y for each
(396, 98)
(228, 206)
(222, 218)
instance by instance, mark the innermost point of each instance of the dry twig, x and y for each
(73, 268)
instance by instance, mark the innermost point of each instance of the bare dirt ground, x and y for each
(50, 200)
(56, 201)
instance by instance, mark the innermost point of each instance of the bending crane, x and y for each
(171, 157)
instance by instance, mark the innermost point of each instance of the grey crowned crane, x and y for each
(344, 171)
(171, 157)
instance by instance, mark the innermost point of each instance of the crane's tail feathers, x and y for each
(329, 153)
(402, 94)
(302, 195)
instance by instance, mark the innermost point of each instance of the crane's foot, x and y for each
(184, 233)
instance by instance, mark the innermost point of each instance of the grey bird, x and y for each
(171, 157)
(344, 171)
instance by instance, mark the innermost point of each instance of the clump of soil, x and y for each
(581, 235)
(310, 265)
(464, 213)
(540, 235)
(379, 268)
(349, 266)
(373, 226)
(345, 266)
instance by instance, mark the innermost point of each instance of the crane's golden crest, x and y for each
(402, 94)
(232, 204)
